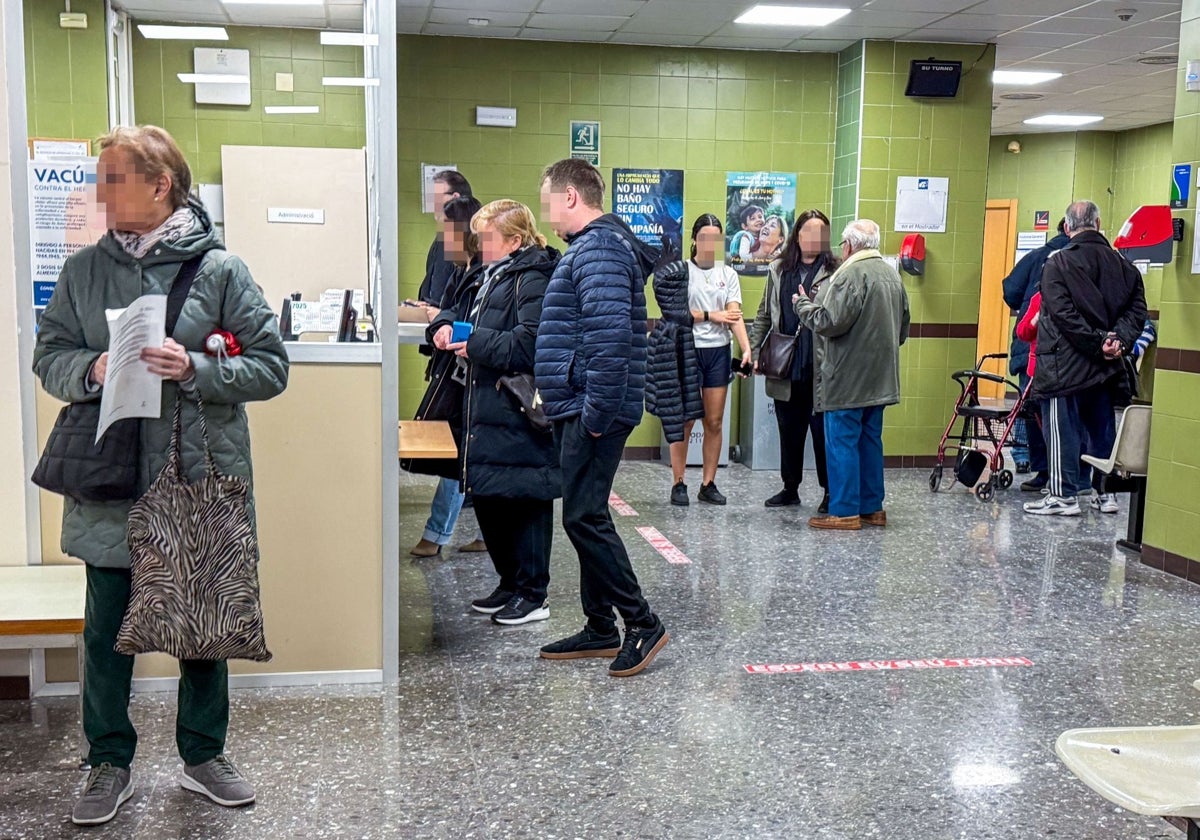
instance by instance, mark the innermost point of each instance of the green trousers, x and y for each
(203, 715)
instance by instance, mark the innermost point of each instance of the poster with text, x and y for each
(760, 208)
(650, 201)
(63, 217)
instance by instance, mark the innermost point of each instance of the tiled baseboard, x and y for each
(1171, 563)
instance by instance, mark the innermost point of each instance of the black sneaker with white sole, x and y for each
(521, 610)
(492, 603)
(638, 650)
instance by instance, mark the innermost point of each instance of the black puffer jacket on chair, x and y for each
(672, 373)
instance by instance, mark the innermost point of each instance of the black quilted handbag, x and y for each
(193, 557)
(75, 465)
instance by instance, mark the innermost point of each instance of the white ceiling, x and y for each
(1084, 39)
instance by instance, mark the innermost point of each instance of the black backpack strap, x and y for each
(179, 291)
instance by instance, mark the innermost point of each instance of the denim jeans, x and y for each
(443, 512)
(854, 449)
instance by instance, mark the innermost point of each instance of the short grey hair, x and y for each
(1083, 215)
(861, 234)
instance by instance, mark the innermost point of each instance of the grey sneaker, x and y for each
(220, 781)
(106, 790)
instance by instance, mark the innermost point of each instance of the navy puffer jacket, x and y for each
(673, 373)
(591, 344)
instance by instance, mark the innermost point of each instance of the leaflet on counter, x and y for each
(130, 389)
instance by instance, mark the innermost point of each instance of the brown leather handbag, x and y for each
(776, 355)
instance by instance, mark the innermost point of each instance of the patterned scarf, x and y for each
(181, 222)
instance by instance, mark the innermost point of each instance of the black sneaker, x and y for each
(492, 603)
(784, 498)
(641, 645)
(823, 508)
(709, 493)
(1022, 467)
(1036, 483)
(679, 496)
(587, 642)
(521, 610)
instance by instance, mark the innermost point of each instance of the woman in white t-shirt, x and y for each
(715, 298)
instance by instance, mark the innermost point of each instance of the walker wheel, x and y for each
(1004, 479)
(935, 479)
(986, 491)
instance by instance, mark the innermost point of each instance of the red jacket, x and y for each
(1027, 329)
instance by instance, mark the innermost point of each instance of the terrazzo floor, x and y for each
(481, 739)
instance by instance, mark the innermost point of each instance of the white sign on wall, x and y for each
(63, 217)
(296, 215)
(921, 204)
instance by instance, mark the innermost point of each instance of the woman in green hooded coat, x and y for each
(143, 185)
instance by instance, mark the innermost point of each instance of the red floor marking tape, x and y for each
(663, 546)
(620, 506)
(889, 665)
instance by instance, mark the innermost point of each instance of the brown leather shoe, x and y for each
(474, 547)
(836, 523)
(878, 518)
(426, 548)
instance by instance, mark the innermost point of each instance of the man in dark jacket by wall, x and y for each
(590, 364)
(1020, 286)
(1093, 309)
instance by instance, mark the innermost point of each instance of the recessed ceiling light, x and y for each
(349, 39)
(1064, 119)
(184, 33)
(212, 79)
(478, 21)
(1022, 97)
(349, 81)
(1023, 77)
(1158, 60)
(762, 15)
(292, 109)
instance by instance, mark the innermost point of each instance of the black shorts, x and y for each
(714, 362)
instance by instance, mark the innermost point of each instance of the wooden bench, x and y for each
(426, 439)
(42, 607)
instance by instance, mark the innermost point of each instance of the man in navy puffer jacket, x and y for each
(590, 365)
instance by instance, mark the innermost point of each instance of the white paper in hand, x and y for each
(130, 389)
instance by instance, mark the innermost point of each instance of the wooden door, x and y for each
(995, 319)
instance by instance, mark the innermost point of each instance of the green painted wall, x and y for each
(161, 99)
(705, 111)
(902, 136)
(1172, 503)
(847, 136)
(66, 85)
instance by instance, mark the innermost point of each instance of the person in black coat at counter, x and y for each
(508, 466)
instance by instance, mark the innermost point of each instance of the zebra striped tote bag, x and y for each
(194, 562)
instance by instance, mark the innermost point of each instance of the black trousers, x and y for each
(796, 418)
(606, 578)
(518, 533)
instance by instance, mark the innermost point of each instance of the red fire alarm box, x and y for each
(912, 254)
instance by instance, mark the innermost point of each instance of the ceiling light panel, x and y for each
(1024, 77)
(273, 3)
(1064, 119)
(349, 39)
(796, 16)
(212, 79)
(349, 81)
(183, 33)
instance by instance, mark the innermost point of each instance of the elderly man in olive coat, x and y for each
(859, 320)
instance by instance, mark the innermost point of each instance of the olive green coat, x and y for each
(859, 320)
(770, 317)
(74, 332)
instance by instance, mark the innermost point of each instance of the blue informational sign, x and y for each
(41, 292)
(650, 201)
(1181, 185)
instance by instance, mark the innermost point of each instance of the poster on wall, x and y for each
(428, 170)
(585, 141)
(63, 218)
(921, 204)
(650, 201)
(760, 208)
(1181, 185)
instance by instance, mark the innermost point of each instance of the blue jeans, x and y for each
(854, 451)
(443, 512)
(1076, 425)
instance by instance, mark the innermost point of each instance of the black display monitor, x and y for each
(933, 78)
